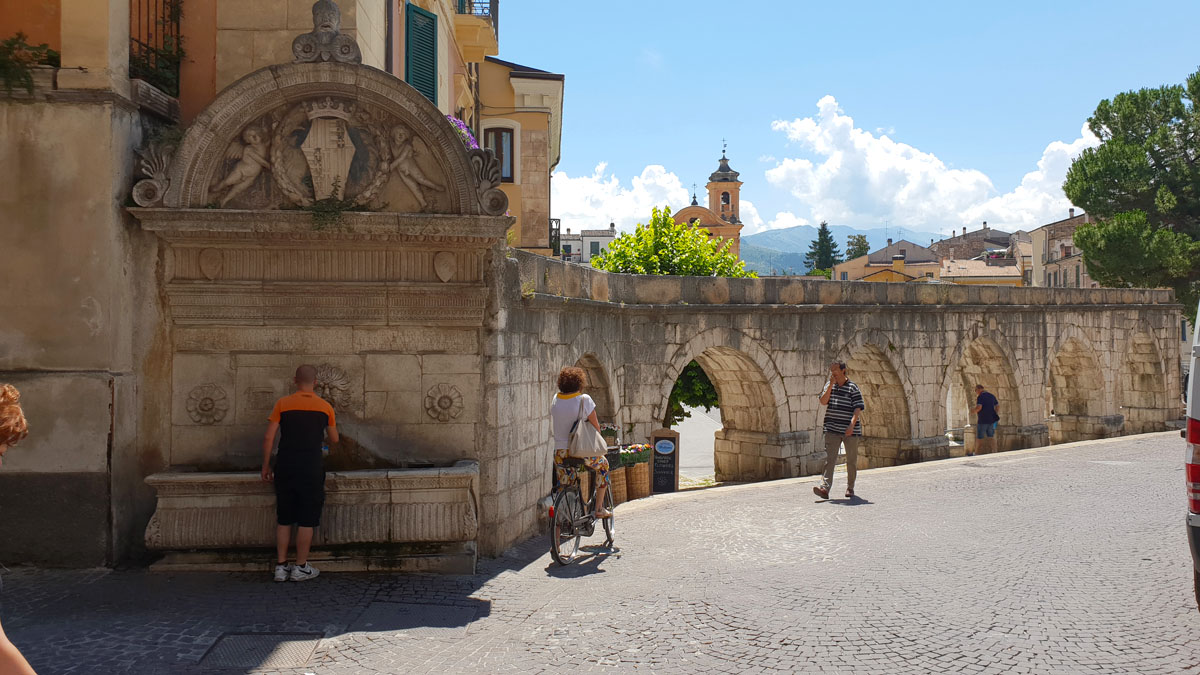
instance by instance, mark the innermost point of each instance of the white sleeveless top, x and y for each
(563, 413)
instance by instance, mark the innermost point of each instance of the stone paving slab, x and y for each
(1065, 559)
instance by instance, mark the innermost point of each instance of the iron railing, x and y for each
(487, 9)
(155, 48)
(555, 237)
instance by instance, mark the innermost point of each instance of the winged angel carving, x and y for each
(253, 157)
(404, 163)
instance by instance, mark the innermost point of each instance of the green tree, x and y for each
(823, 251)
(857, 246)
(664, 247)
(1142, 185)
(692, 389)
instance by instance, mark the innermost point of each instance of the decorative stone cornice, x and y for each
(181, 223)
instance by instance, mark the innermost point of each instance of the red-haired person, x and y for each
(12, 429)
(569, 406)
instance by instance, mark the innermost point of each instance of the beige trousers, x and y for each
(832, 443)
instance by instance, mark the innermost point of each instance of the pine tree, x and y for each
(823, 251)
(857, 246)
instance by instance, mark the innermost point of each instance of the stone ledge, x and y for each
(402, 507)
(453, 558)
(173, 223)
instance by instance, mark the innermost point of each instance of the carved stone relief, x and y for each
(444, 402)
(247, 165)
(333, 385)
(154, 162)
(325, 42)
(207, 404)
(445, 264)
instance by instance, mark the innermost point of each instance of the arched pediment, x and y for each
(289, 135)
(706, 216)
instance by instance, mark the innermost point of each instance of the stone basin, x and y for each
(423, 520)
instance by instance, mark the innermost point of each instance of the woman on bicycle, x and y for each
(563, 413)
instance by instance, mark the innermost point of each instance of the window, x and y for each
(566, 249)
(929, 275)
(595, 250)
(500, 141)
(844, 276)
(1077, 277)
(420, 57)
(724, 197)
(1056, 278)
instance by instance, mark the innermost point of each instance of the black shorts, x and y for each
(299, 498)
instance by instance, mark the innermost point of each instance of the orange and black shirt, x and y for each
(302, 419)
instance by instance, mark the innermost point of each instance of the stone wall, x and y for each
(77, 331)
(767, 343)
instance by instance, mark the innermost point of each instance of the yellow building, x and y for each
(898, 261)
(720, 218)
(521, 120)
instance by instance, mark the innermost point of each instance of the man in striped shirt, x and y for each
(842, 425)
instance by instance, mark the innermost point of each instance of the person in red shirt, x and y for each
(302, 421)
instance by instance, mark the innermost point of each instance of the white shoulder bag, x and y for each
(585, 440)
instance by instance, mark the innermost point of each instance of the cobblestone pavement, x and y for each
(1068, 559)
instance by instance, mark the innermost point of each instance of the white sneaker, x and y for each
(304, 573)
(282, 572)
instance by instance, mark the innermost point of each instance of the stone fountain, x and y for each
(323, 212)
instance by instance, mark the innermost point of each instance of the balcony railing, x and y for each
(155, 49)
(486, 9)
(555, 241)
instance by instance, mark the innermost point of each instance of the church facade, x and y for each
(720, 217)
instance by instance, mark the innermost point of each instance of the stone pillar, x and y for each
(743, 456)
(95, 45)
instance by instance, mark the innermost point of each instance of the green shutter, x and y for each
(420, 53)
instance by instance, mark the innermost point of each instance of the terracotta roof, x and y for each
(957, 269)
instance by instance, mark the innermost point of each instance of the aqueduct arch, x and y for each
(887, 419)
(1074, 395)
(597, 385)
(750, 393)
(984, 361)
(1141, 386)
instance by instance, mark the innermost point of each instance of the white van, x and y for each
(1191, 435)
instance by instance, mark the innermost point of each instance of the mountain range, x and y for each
(782, 251)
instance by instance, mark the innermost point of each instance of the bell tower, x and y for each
(723, 191)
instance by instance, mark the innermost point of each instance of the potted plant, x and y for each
(609, 431)
(636, 460)
(25, 66)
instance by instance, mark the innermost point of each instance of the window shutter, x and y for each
(420, 53)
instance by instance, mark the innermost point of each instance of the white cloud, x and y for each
(753, 222)
(589, 202)
(862, 179)
(1039, 198)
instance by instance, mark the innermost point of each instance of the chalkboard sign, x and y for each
(664, 463)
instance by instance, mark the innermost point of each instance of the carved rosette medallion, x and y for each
(333, 385)
(444, 402)
(207, 404)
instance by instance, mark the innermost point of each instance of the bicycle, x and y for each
(571, 518)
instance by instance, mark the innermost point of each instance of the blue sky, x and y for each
(926, 115)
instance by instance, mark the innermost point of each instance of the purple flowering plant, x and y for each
(464, 132)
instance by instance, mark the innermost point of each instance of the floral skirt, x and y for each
(597, 464)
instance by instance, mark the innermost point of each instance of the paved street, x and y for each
(1068, 559)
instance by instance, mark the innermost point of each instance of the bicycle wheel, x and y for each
(610, 525)
(564, 540)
